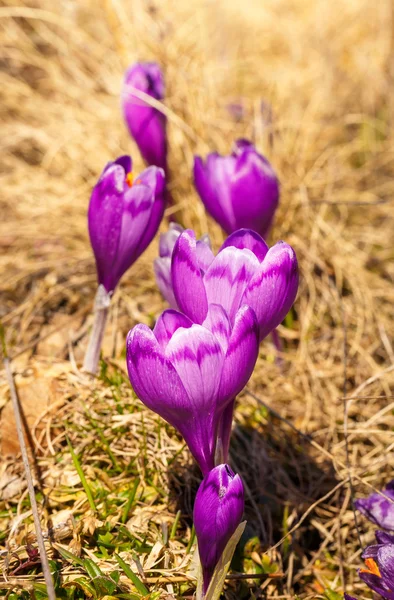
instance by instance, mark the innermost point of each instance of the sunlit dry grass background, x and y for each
(326, 70)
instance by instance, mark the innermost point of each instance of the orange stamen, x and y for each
(372, 567)
(129, 179)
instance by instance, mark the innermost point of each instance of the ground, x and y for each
(115, 485)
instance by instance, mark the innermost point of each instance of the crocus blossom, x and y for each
(147, 125)
(378, 573)
(245, 271)
(240, 190)
(123, 217)
(218, 510)
(187, 373)
(377, 508)
(162, 264)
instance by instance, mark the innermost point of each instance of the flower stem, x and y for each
(101, 310)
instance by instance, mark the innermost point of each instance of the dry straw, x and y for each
(325, 69)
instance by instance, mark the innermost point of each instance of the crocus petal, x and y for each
(137, 209)
(154, 178)
(207, 189)
(224, 429)
(217, 513)
(162, 269)
(167, 240)
(348, 597)
(382, 537)
(104, 220)
(204, 254)
(160, 388)
(385, 561)
(273, 288)
(378, 509)
(228, 276)
(154, 378)
(218, 323)
(371, 551)
(241, 355)
(376, 584)
(125, 162)
(167, 324)
(187, 280)
(254, 192)
(249, 239)
(197, 357)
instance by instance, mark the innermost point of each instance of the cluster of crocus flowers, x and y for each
(123, 217)
(190, 368)
(202, 351)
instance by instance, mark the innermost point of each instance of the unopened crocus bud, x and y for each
(218, 511)
(162, 264)
(123, 217)
(146, 124)
(187, 373)
(240, 190)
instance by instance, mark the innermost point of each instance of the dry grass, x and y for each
(326, 69)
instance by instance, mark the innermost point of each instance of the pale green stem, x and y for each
(101, 309)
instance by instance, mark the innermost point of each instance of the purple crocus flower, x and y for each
(379, 509)
(123, 217)
(187, 373)
(147, 125)
(162, 265)
(379, 561)
(240, 190)
(218, 511)
(245, 271)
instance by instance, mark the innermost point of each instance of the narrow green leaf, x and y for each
(130, 500)
(82, 584)
(92, 569)
(68, 555)
(191, 541)
(175, 525)
(132, 576)
(40, 591)
(82, 477)
(219, 575)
